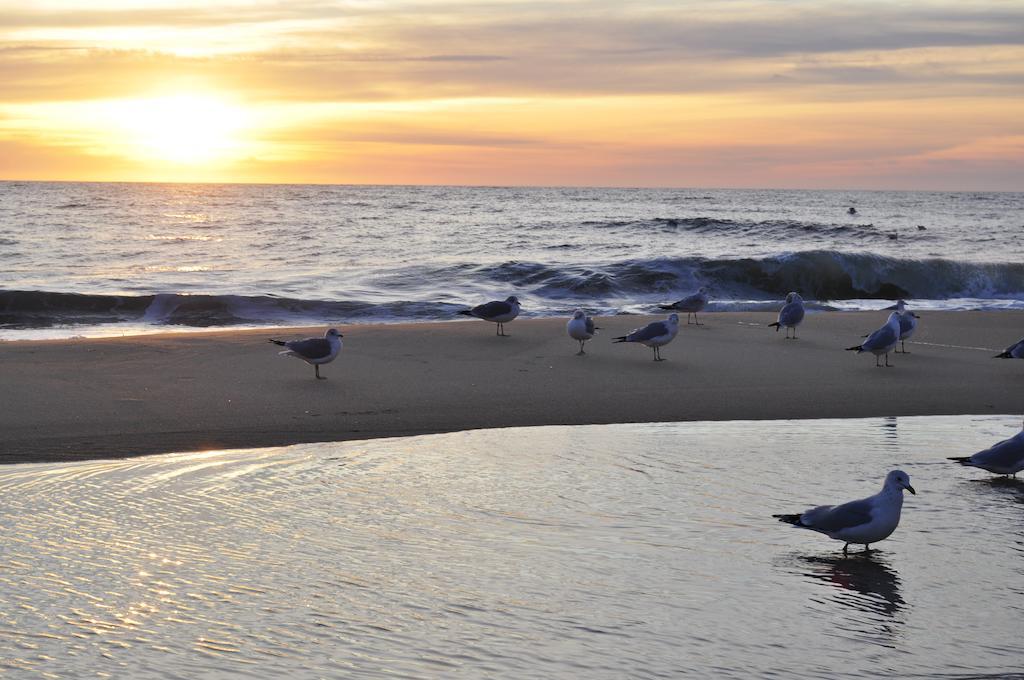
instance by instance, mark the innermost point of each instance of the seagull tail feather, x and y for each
(963, 460)
(789, 519)
(666, 307)
(276, 342)
(1004, 355)
(775, 325)
(466, 312)
(857, 348)
(621, 338)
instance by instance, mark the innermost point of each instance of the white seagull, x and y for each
(497, 311)
(581, 327)
(1003, 458)
(314, 351)
(908, 324)
(1012, 352)
(654, 335)
(791, 314)
(882, 341)
(691, 304)
(862, 522)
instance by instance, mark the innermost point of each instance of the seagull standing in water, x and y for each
(497, 311)
(691, 304)
(654, 335)
(313, 351)
(791, 314)
(862, 522)
(882, 341)
(908, 324)
(581, 327)
(1003, 458)
(1012, 352)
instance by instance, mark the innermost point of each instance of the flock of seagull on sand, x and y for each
(861, 522)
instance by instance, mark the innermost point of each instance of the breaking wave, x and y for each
(547, 289)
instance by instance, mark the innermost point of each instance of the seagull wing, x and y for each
(310, 348)
(1006, 454)
(832, 518)
(490, 309)
(791, 314)
(883, 337)
(648, 332)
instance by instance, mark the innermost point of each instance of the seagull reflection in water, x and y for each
(876, 584)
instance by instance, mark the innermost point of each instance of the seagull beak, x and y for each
(911, 489)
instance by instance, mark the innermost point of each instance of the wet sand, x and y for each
(114, 397)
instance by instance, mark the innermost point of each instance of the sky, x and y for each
(671, 93)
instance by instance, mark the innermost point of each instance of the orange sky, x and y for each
(781, 93)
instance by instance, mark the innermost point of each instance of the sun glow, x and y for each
(186, 129)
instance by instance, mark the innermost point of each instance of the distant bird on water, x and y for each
(1015, 351)
(881, 341)
(581, 327)
(654, 335)
(1003, 458)
(314, 351)
(862, 522)
(791, 314)
(691, 304)
(908, 324)
(497, 311)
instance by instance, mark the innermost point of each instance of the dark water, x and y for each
(95, 258)
(641, 551)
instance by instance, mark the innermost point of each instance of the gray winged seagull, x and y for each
(1015, 351)
(496, 311)
(881, 341)
(581, 327)
(1003, 458)
(691, 304)
(791, 314)
(862, 522)
(654, 335)
(908, 324)
(314, 351)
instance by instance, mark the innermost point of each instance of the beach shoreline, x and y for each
(129, 396)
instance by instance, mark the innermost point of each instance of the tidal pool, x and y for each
(613, 551)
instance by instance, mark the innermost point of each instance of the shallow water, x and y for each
(559, 552)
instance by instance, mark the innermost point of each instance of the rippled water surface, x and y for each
(561, 552)
(109, 258)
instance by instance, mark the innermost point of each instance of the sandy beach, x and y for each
(115, 397)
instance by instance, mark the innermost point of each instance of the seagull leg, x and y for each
(877, 365)
(696, 320)
(316, 368)
(581, 348)
(867, 548)
(845, 546)
(887, 364)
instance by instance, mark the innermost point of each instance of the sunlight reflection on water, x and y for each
(601, 551)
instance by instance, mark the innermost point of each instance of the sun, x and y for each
(186, 129)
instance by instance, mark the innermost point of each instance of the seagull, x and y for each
(882, 341)
(1003, 458)
(497, 311)
(691, 304)
(791, 314)
(654, 335)
(863, 522)
(581, 327)
(1013, 351)
(908, 324)
(313, 351)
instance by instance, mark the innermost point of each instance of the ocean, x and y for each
(88, 259)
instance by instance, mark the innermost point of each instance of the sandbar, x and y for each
(118, 397)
